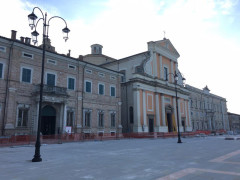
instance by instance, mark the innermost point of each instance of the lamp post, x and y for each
(175, 83)
(32, 18)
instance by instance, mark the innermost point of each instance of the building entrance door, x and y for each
(150, 124)
(48, 121)
(169, 121)
(183, 124)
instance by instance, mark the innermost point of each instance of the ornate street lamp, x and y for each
(175, 82)
(32, 18)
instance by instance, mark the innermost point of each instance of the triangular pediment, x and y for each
(167, 45)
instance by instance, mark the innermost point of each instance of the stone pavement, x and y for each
(198, 158)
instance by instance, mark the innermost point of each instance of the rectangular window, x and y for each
(113, 77)
(87, 122)
(2, 48)
(101, 89)
(72, 67)
(1, 70)
(22, 117)
(71, 83)
(88, 71)
(51, 79)
(113, 123)
(101, 74)
(70, 118)
(100, 119)
(112, 91)
(88, 86)
(123, 78)
(50, 61)
(26, 75)
(27, 55)
(165, 73)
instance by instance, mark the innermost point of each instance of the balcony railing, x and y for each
(53, 90)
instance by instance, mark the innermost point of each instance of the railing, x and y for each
(53, 90)
(80, 137)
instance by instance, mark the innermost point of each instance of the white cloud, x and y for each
(125, 27)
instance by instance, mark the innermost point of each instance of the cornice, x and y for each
(38, 51)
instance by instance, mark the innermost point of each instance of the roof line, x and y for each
(124, 58)
(63, 55)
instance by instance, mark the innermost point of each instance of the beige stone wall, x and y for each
(20, 93)
(208, 111)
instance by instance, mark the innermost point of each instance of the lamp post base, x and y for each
(37, 159)
(179, 139)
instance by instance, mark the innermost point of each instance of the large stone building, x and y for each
(148, 90)
(234, 122)
(77, 96)
(208, 111)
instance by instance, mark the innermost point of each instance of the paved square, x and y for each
(130, 159)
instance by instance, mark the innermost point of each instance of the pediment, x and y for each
(166, 44)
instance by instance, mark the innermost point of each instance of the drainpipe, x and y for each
(6, 91)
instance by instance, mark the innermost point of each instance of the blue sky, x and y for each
(204, 32)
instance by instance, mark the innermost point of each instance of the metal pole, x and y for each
(179, 135)
(37, 155)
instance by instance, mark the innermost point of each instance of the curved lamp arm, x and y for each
(64, 30)
(32, 17)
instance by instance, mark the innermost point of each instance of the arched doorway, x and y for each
(48, 121)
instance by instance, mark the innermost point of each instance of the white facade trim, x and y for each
(150, 96)
(29, 68)
(157, 110)
(163, 109)
(144, 109)
(68, 76)
(2, 70)
(85, 87)
(53, 73)
(114, 86)
(100, 83)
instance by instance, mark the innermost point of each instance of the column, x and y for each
(161, 69)
(137, 124)
(163, 110)
(172, 77)
(157, 111)
(185, 107)
(154, 59)
(176, 67)
(189, 114)
(64, 117)
(144, 111)
(223, 118)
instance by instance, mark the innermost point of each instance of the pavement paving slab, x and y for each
(126, 159)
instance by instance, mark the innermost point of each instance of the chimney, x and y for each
(13, 35)
(69, 53)
(22, 39)
(27, 40)
(80, 57)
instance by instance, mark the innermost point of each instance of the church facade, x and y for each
(148, 90)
